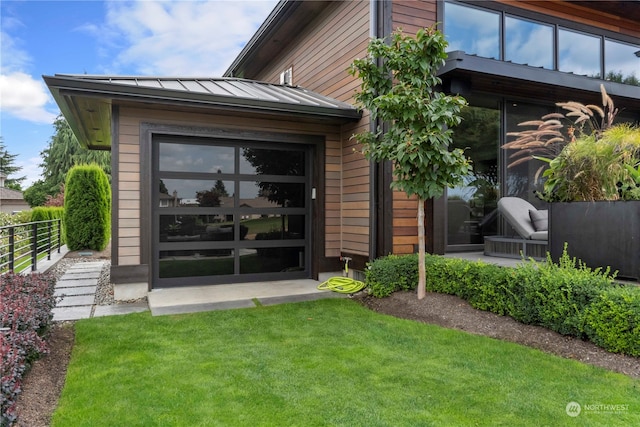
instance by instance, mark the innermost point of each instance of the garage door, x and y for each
(229, 211)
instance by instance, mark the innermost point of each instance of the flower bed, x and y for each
(26, 303)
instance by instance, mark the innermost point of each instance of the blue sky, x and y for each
(160, 38)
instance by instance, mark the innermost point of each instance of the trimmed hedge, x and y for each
(567, 297)
(87, 208)
(25, 317)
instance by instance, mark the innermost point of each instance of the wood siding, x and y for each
(319, 57)
(129, 180)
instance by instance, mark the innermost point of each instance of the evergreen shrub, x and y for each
(87, 208)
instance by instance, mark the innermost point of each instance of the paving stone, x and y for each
(70, 283)
(82, 265)
(70, 275)
(70, 301)
(77, 290)
(117, 309)
(71, 313)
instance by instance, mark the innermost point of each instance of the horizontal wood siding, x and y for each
(320, 57)
(410, 16)
(129, 176)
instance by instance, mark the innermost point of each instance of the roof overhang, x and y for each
(86, 101)
(287, 19)
(462, 73)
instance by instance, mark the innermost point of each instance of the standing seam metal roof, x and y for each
(225, 87)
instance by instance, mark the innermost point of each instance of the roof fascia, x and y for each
(278, 15)
(70, 85)
(459, 60)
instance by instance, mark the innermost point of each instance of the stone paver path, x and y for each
(77, 287)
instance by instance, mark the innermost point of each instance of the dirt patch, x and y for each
(43, 383)
(452, 312)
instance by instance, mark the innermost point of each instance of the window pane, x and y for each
(196, 158)
(528, 43)
(196, 228)
(271, 260)
(263, 194)
(520, 179)
(622, 62)
(471, 207)
(259, 161)
(579, 53)
(189, 263)
(183, 193)
(274, 227)
(472, 30)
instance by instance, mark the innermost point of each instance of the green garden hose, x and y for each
(344, 285)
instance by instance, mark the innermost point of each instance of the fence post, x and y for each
(12, 254)
(49, 241)
(34, 246)
(59, 234)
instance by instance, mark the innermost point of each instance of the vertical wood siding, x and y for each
(320, 56)
(129, 177)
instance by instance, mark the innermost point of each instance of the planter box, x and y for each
(601, 234)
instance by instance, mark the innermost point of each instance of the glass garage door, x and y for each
(228, 212)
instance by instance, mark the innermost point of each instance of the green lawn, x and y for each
(322, 363)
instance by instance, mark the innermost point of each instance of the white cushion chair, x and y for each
(529, 223)
(521, 215)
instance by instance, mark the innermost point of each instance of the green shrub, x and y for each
(613, 320)
(42, 213)
(386, 275)
(566, 297)
(87, 208)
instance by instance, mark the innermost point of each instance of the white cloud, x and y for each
(185, 38)
(25, 97)
(31, 169)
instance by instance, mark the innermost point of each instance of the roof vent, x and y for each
(286, 77)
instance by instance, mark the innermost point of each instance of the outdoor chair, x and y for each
(529, 223)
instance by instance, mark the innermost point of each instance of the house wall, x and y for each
(319, 57)
(129, 213)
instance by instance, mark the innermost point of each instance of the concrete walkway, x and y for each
(239, 295)
(78, 288)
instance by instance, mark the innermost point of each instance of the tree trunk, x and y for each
(421, 270)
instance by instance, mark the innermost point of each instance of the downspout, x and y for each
(373, 176)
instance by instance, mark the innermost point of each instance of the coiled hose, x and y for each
(343, 285)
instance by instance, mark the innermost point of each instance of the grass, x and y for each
(328, 362)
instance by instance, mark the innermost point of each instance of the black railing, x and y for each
(23, 245)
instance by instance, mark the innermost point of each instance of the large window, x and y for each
(496, 34)
(473, 30)
(579, 53)
(229, 211)
(527, 42)
(471, 207)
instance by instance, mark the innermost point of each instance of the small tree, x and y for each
(398, 88)
(87, 208)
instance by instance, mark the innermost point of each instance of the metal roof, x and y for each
(85, 100)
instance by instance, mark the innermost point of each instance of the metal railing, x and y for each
(23, 245)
